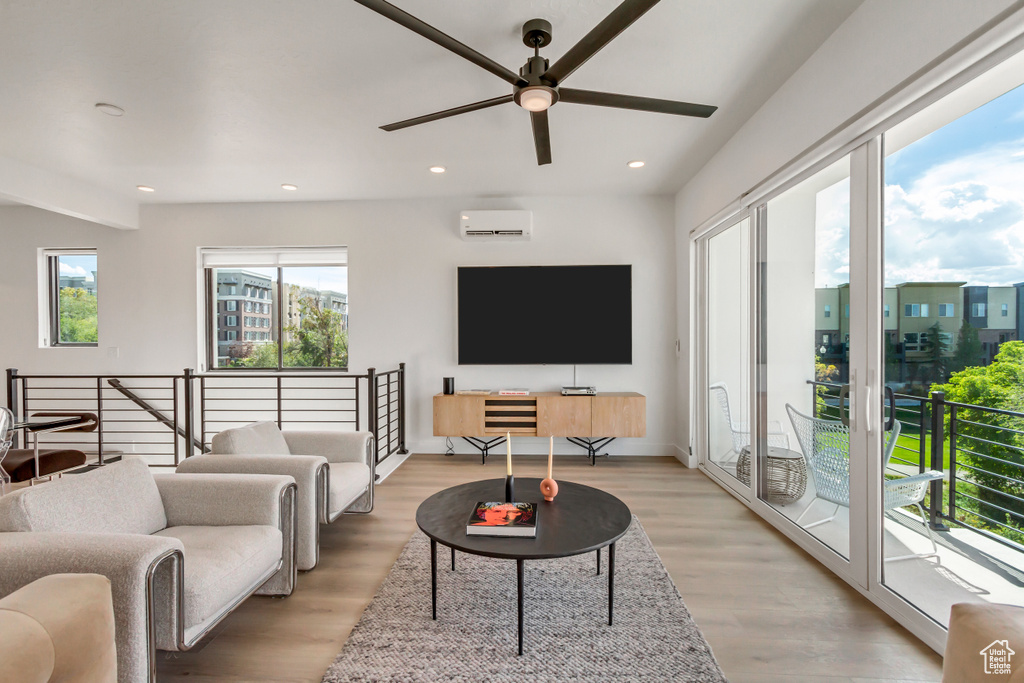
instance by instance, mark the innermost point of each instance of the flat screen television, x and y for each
(518, 315)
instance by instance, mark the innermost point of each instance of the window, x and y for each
(912, 310)
(885, 309)
(1004, 310)
(231, 321)
(231, 306)
(910, 341)
(978, 310)
(924, 310)
(232, 335)
(846, 313)
(945, 310)
(69, 297)
(828, 311)
(298, 298)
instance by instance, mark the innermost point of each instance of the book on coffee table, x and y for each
(503, 519)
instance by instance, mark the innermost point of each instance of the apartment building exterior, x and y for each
(912, 309)
(244, 310)
(328, 299)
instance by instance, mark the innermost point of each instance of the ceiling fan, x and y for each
(537, 86)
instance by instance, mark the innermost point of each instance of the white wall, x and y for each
(883, 43)
(403, 257)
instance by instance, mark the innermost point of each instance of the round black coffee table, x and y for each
(580, 520)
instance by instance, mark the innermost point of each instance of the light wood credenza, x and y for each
(590, 422)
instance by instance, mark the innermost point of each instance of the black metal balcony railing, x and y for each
(980, 448)
(157, 415)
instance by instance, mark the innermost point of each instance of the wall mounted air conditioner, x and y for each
(495, 226)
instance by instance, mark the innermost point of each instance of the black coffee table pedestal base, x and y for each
(519, 585)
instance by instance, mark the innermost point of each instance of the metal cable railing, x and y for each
(167, 417)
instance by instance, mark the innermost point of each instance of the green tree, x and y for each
(937, 351)
(968, 348)
(991, 444)
(320, 338)
(77, 315)
(823, 372)
(249, 355)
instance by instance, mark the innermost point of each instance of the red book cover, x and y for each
(503, 519)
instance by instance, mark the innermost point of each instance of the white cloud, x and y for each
(74, 271)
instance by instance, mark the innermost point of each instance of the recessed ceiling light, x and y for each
(465, 218)
(110, 109)
(437, 169)
(289, 187)
(145, 188)
(635, 164)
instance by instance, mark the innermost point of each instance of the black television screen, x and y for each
(545, 314)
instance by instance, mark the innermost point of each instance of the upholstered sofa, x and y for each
(334, 471)
(59, 629)
(181, 551)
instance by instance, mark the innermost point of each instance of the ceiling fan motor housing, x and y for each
(537, 33)
(532, 72)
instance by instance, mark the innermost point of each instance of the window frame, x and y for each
(276, 320)
(50, 296)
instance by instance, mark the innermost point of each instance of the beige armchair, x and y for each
(181, 551)
(59, 629)
(334, 472)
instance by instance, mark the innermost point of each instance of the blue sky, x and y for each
(954, 204)
(77, 266)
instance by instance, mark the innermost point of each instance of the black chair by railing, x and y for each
(156, 415)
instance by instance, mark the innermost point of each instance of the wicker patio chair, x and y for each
(826, 448)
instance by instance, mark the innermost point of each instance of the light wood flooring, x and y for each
(770, 612)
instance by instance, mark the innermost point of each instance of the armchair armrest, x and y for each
(335, 446)
(130, 561)
(222, 499)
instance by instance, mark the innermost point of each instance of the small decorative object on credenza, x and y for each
(449, 386)
(513, 392)
(503, 519)
(549, 487)
(510, 482)
(473, 392)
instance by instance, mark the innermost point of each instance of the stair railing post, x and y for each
(187, 377)
(401, 409)
(371, 408)
(12, 397)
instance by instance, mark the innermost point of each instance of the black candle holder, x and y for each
(510, 489)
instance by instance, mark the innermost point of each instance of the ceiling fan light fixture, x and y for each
(536, 98)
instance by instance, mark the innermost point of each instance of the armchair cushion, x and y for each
(259, 438)
(973, 628)
(223, 564)
(119, 498)
(348, 481)
(221, 499)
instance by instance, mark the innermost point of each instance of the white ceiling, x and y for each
(227, 99)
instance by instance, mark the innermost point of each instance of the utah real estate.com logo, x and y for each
(997, 657)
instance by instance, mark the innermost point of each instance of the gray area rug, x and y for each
(566, 631)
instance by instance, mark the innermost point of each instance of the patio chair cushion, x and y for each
(348, 481)
(20, 463)
(120, 498)
(222, 563)
(973, 628)
(259, 438)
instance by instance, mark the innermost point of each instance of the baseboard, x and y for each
(685, 457)
(389, 465)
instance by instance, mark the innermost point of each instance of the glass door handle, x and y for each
(890, 398)
(844, 414)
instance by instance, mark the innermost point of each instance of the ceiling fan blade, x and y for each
(455, 111)
(443, 39)
(541, 136)
(602, 34)
(607, 99)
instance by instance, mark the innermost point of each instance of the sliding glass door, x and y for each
(861, 358)
(727, 366)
